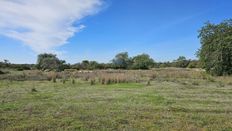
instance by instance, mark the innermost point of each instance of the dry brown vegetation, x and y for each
(158, 99)
(115, 76)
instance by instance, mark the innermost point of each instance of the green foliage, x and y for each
(50, 62)
(1, 72)
(142, 61)
(194, 64)
(181, 62)
(19, 67)
(121, 61)
(216, 48)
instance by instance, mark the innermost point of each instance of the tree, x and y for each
(142, 61)
(85, 64)
(6, 61)
(49, 62)
(181, 62)
(216, 47)
(93, 65)
(121, 61)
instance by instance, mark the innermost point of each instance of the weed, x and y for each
(196, 83)
(148, 83)
(73, 81)
(92, 82)
(33, 90)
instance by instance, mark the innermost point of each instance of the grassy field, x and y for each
(166, 104)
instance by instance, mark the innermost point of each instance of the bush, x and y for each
(1, 72)
(92, 82)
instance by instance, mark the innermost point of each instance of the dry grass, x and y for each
(181, 104)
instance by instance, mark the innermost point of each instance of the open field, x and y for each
(178, 101)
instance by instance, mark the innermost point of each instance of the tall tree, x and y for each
(216, 47)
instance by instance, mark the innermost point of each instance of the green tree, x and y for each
(85, 64)
(49, 62)
(181, 62)
(142, 61)
(121, 61)
(216, 47)
(93, 65)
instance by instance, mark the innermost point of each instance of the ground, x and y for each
(179, 104)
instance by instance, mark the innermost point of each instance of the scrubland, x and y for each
(158, 99)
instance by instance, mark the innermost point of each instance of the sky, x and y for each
(79, 30)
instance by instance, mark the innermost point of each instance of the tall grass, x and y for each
(114, 76)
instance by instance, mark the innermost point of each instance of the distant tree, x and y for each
(216, 47)
(181, 58)
(121, 61)
(181, 62)
(76, 66)
(6, 61)
(5, 64)
(85, 64)
(142, 61)
(49, 62)
(93, 65)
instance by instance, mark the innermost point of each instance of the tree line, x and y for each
(48, 62)
(215, 56)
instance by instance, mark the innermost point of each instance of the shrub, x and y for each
(73, 81)
(148, 83)
(1, 72)
(108, 81)
(103, 81)
(63, 81)
(195, 83)
(33, 90)
(54, 79)
(92, 82)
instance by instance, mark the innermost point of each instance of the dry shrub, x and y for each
(148, 83)
(52, 76)
(102, 81)
(73, 81)
(33, 90)
(113, 78)
(196, 83)
(63, 81)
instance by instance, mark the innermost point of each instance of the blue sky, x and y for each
(164, 29)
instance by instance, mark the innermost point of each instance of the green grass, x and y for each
(165, 105)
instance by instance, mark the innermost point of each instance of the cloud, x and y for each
(44, 24)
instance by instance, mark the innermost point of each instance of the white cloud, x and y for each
(44, 24)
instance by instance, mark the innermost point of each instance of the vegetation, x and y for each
(159, 99)
(216, 51)
(50, 62)
(142, 62)
(121, 61)
(129, 93)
